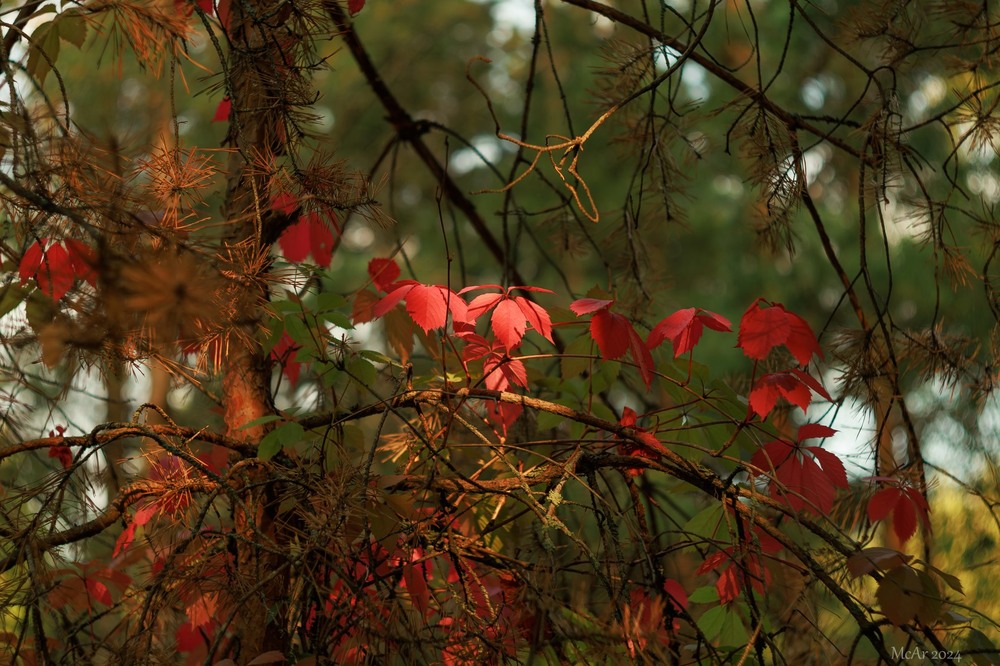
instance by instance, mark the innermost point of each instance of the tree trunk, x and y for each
(254, 130)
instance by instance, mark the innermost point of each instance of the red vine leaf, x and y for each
(363, 309)
(355, 6)
(511, 314)
(56, 266)
(793, 385)
(383, 272)
(427, 305)
(499, 370)
(907, 506)
(648, 446)
(223, 111)
(804, 478)
(311, 235)
(763, 329)
(284, 353)
(684, 328)
(615, 335)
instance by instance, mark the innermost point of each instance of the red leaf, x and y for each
(284, 202)
(206, 6)
(481, 304)
(641, 355)
(684, 328)
(587, 305)
(770, 387)
(82, 259)
(310, 235)
(99, 591)
(393, 298)
(905, 503)
(501, 372)
(728, 585)
(428, 305)
(201, 611)
(536, 315)
(364, 306)
(416, 572)
(801, 340)
(224, 109)
(503, 414)
(675, 593)
(284, 353)
(882, 503)
(904, 519)
(713, 561)
(508, 323)
(614, 335)
(355, 6)
(188, 638)
(798, 480)
(222, 11)
(124, 540)
(383, 272)
(809, 381)
(31, 261)
(51, 267)
(63, 453)
(833, 466)
(814, 431)
(628, 417)
(647, 447)
(145, 514)
(763, 329)
(611, 333)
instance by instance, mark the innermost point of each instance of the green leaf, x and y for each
(722, 625)
(267, 418)
(11, 296)
(706, 523)
(44, 50)
(375, 357)
(73, 28)
(571, 364)
(338, 319)
(987, 654)
(548, 421)
(40, 311)
(275, 328)
(362, 370)
(285, 435)
(298, 331)
(706, 594)
(329, 301)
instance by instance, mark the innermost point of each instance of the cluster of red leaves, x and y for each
(906, 504)
(55, 266)
(762, 329)
(511, 314)
(310, 234)
(60, 451)
(684, 328)
(744, 565)
(86, 585)
(805, 478)
(643, 618)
